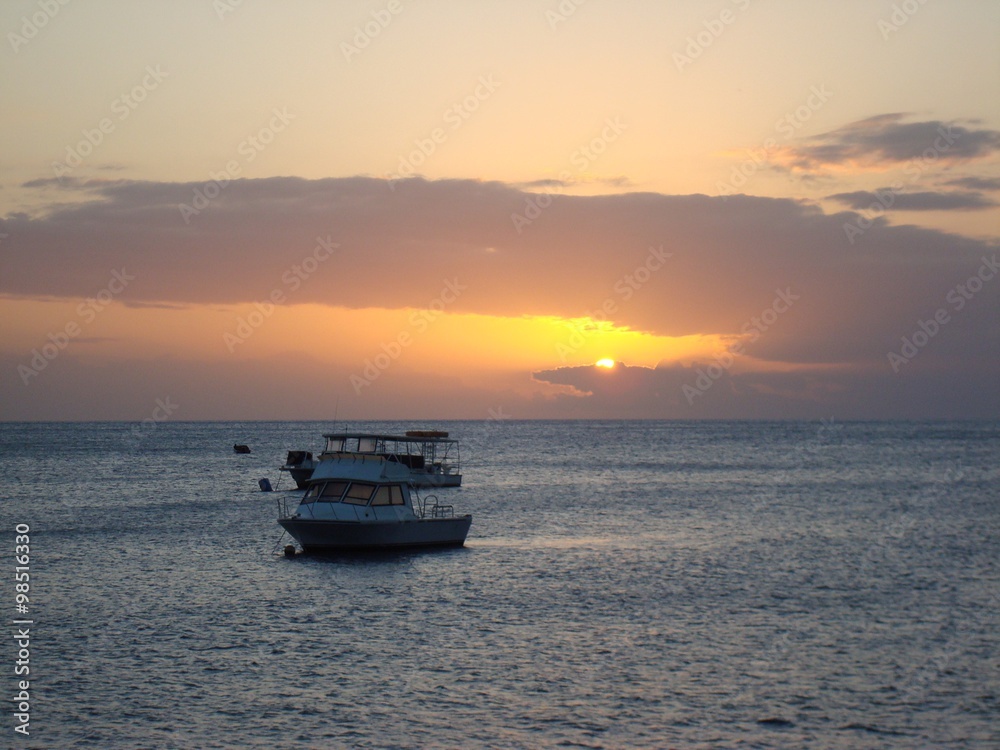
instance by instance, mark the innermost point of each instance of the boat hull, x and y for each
(435, 480)
(316, 535)
(301, 476)
(420, 479)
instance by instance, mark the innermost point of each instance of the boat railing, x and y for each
(442, 511)
(283, 511)
(288, 506)
(429, 507)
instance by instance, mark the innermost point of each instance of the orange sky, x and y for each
(441, 209)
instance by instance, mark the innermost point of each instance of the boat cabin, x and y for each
(356, 501)
(431, 456)
(363, 488)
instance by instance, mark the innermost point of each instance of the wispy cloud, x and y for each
(976, 183)
(70, 183)
(924, 201)
(885, 141)
(555, 183)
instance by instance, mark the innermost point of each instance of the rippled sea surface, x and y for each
(624, 585)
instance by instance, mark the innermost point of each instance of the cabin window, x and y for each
(334, 445)
(366, 445)
(313, 491)
(395, 495)
(359, 493)
(333, 491)
(382, 496)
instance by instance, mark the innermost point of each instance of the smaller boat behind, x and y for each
(299, 465)
(357, 501)
(430, 456)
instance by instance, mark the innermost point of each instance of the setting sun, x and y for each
(609, 363)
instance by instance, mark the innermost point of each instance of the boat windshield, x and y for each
(333, 490)
(359, 493)
(330, 491)
(388, 494)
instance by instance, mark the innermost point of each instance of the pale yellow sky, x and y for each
(361, 112)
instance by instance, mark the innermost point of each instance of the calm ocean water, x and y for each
(625, 585)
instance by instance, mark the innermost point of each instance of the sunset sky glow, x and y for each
(441, 209)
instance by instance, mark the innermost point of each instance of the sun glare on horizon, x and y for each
(609, 363)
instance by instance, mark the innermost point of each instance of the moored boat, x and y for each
(357, 501)
(431, 457)
(300, 465)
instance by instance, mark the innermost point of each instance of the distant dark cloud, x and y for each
(924, 201)
(976, 183)
(616, 182)
(620, 381)
(546, 183)
(703, 390)
(45, 182)
(887, 140)
(72, 183)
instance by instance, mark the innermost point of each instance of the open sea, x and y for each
(625, 584)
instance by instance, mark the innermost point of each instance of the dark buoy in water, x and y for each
(241, 448)
(265, 485)
(289, 550)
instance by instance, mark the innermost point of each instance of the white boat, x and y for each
(358, 501)
(432, 458)
(300, 465)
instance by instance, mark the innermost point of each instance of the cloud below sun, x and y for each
(386, 285)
